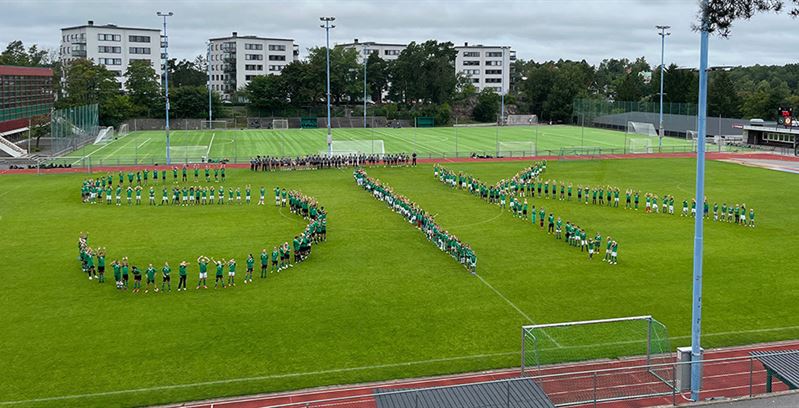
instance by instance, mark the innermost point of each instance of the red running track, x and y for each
(720, 379)
(710, 156)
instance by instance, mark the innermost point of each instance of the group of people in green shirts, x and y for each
(419, 218)
(92, 191)
(315, 232)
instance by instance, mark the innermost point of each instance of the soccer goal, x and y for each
(123, 130)
(516, 149)
(641, 128)
(567, 151)
(214, 124)
(105, 135)
(280, 123)
(640, 146)
(521, 120)
(350, 147)
(188, 154)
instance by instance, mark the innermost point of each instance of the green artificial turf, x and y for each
(377, 300)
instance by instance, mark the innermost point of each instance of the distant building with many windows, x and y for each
(386, 51)
(25, 92)
(486, 66)
(236, 60)
(112, 46)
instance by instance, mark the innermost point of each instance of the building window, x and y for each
(778, 137)
(391, 52)
(277, 58)
(142, 59)
(471, 71)
(249, 77)
(475, 80)
(254, 67)
(493, 80)
(256, 47)
(497, 63)
(110, 61)
(105, 49)
(277, 47)
(109, 37)
(471, 63)
(493, 72)
(139, 50)
(276, 68)
(253, 57)
(468, 54)
(139, 38)
(493, 54)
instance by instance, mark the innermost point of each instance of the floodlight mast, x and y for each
(165, 46)
(327, 26)
(662, 35)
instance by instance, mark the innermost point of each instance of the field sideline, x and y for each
(148, 147)
(377, 301)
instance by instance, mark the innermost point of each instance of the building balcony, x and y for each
(79, 53)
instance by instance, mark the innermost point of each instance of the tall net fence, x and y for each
(72, 128)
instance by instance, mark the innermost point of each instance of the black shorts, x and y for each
(101, 269)
(125, 277)
(137, 278)
(249, 269)
(167, 278)
(264, 266)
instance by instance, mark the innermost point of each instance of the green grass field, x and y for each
(239, 145)
(376, 301)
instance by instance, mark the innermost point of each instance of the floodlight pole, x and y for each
(663, 35)
(364, 85)
(165, 45)
(696, 306)
(208, 69)
(327, 26)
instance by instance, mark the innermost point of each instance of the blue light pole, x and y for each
(327, 26)
(165, 45)
(208, 73)
(696, 307)
(663, 35)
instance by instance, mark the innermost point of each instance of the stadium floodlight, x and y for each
(327, 26)
(663, 35)
(208, 73)
(365, 57)
(165, 45)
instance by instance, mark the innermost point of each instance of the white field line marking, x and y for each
(118, 149)
(208, 152)
(266, 377)
(101, 148)
(143, 143)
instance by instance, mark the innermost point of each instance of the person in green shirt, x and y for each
(607, 249)
(250, 266)
(89, 256)
(150, 278)
(558, 228)
(196, 172)
(220, 273)
(203, 261)
(117, 273)
(216, 174)
(130, 194)
(614, 253)
(275, 265)
(684, 208)
(277, 196)
(751, 217)
(264, 263)
(222, 170)
(238, 195)
(590, 249)
(125, 275)
(163, 176)
(262, 196)
(152, 195)
(108, 195)
(166, 280)
(136, 279)
(145, 175)
(551, 223)
(230, 193)
(101, 265)
(231, 275)
(221, 195)
(541, 214)
(247, 194)
(165, 197)
(182, 274)
(184, 172)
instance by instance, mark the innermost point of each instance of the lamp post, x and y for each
(662, 35)
(208, 71)
(165, 45)
(327, 26)
(365, 53)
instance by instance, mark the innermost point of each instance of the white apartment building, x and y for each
(486, 66)
(235, 60)
(386, 51)
(112, 46)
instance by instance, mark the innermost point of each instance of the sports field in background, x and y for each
(239, 145)
(377, 300)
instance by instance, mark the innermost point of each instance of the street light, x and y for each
(165, 46)
(208, 70)
(662, 35)
(365, 53)
(327, 26)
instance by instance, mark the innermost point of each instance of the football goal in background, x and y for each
(214, 124)
(516, 149)
(641, 128)
(640, 145)
(280, 123)
(521, 120)
(350, 147)
(188, 154)
(105, 135)
(123, 130)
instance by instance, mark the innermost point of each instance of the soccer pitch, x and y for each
(148, 147)
(377, 300)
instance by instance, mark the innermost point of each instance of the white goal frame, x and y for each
(645, 142)
(280, 124)
(123, 130)
(351, 147)
(213, 124)
(188, 154)
(521, 120)
(642, 128)
(516, 149)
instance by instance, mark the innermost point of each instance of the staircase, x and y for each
(12, 149)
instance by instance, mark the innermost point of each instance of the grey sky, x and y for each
(536, 29)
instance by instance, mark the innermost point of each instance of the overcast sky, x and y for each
(537, 29)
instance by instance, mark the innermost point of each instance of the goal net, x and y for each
(640, 146)
(580, 151)
(280, 124)
(641, 337)
(123, 130)
(521, 120)
(188, 154)
(350, 147)
(516, 149)
(105, 135)
(214, 124)
(641, 128)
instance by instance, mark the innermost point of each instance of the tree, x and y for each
(142, 86)
(722, 13)
(632, 88)
(192, 102)
(303, 85)
(88, 83)
(187, 73)
(487, 106)
(114, 109)
(344, 72)
(424, 73)
(15, 54)
(723, 99)
(267, 92)
(377, 76)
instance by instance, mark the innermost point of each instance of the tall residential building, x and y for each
(112, 46)
(235, 60)
(386, 51)
(486, 66)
